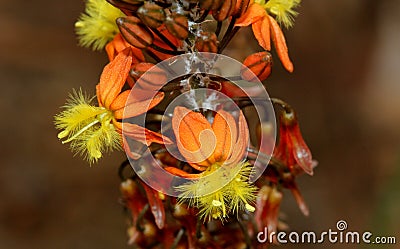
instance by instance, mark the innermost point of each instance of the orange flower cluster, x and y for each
(214, 146)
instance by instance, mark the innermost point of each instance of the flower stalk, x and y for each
(215, 152)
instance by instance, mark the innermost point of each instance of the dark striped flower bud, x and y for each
(126, 6)
(207, 42)
(135, 32)
(153, 80)
(151, 15)
(177, 25)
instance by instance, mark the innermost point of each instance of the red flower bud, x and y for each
(291, 149)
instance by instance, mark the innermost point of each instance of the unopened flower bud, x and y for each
(126, 5)
(153, 80)
(151, 15)
(177, 25)
(225, 10)
(207, 42)
(241, 7)
(135, 32)
(180, 211)
(259, 65)
(128, 188)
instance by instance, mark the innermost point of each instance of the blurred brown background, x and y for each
(346, 89)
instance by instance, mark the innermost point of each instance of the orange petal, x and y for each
(280, 44)
(113, 78)
(120, 101)
(224, 127)
(131, 154)
(127, 107)
(194, 137)
(141, 134)
(261, 31)
(266, 33)
(239, 149)
(254, 13)
(256, 27)
(118, 44)
(137, 55)
(181, 173)
(115, 46)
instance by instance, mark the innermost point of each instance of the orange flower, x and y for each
(109, 95)
(218, 151)
(94, 129)
(203, 144)
(264, 28)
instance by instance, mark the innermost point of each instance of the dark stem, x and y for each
(218, 30)
(245, 232)
(121, 169)
(188, 42)
(165, 51)
(202, 17)
(198, 228)
(178, 238)
(270, 160)
(253, 222)
(288, 109)
(140, 218)
(230, 32)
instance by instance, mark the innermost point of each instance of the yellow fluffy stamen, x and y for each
(216, 202)
(283, 10)
(88, 128)
(96, 26)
